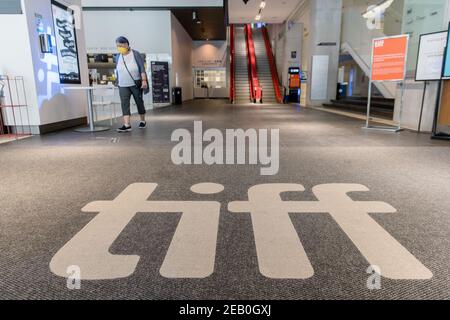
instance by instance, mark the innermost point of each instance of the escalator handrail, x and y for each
(232, 65)
(249, 63)
(253, 75)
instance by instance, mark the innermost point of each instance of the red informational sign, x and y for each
(389, 58)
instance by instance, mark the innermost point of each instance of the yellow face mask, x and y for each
(122, 50)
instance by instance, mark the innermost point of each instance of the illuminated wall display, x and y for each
(66, 44)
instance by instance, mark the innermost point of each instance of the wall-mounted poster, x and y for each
(160, 82)
(431, 56)
(446, 70)
(66, 44)
(319, 77)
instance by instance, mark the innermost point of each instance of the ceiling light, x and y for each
(375, 10)
(262, 5)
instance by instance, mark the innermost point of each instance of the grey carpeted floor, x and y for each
(45, 181)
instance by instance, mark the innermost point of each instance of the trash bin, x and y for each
(177, 96)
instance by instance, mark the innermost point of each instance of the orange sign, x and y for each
(294, 81)
(389, 59)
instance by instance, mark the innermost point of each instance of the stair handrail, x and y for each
(232, 65)
(249, 69)
(347, 47)
(253, 75)
(273, 66)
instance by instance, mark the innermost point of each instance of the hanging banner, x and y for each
(160, 82)
(431, 56)
(389, 58)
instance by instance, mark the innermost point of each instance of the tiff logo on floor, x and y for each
(279, 249)
(231, 149)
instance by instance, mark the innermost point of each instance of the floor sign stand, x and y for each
(445, 76)
(388, 64)
(429, 67)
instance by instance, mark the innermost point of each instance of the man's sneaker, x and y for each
(124, 128)
(143, 125)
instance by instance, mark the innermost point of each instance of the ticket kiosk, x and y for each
(294, 85)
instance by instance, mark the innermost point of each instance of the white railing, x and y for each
(387, 89)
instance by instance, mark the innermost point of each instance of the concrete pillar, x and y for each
(325, 39)
(291, 45)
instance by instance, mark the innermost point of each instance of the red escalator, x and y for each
(244, 83)
(255, 88)
(240, 85)
(272, 64)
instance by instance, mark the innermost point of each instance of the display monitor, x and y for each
(431, 56)
(446, 69)
(66, 44)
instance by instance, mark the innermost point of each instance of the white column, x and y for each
(325, 29)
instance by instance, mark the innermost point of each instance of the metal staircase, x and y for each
(242, 86)
(263, 67)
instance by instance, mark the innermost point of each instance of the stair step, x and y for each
(389, 105)
(388, 114)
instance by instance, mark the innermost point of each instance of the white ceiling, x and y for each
(276, 11)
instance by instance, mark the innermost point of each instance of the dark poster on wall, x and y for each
(160, 82)
(66, 44)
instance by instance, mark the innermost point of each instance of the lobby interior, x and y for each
(69, 201)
